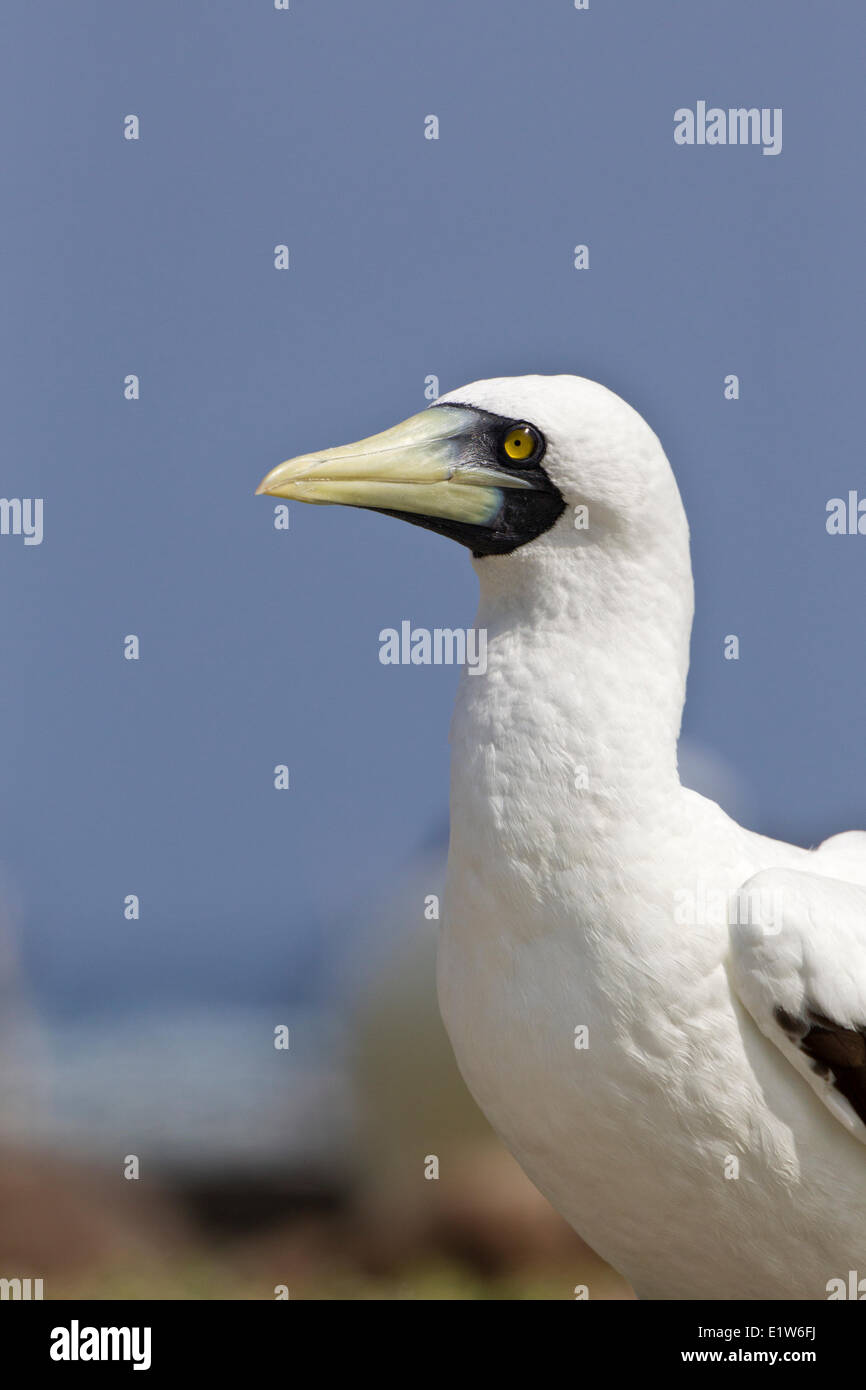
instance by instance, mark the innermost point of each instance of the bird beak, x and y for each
(425, 467)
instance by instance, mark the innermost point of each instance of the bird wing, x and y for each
(798, 963)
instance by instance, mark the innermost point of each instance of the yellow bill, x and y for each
(426, 466)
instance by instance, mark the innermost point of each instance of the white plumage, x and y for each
(571, 908)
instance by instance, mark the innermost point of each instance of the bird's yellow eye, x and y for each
(520, 443)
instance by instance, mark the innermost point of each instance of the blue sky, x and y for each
(408, 257)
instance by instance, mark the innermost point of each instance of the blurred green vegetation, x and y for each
(202, 1279)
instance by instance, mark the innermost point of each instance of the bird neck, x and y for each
(579, 710)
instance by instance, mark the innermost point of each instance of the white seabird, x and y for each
(662, 1014)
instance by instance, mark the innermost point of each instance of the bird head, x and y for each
(497, 465)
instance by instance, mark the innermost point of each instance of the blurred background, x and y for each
(152, 1037)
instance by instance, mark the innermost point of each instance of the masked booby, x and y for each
(661, 1013)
